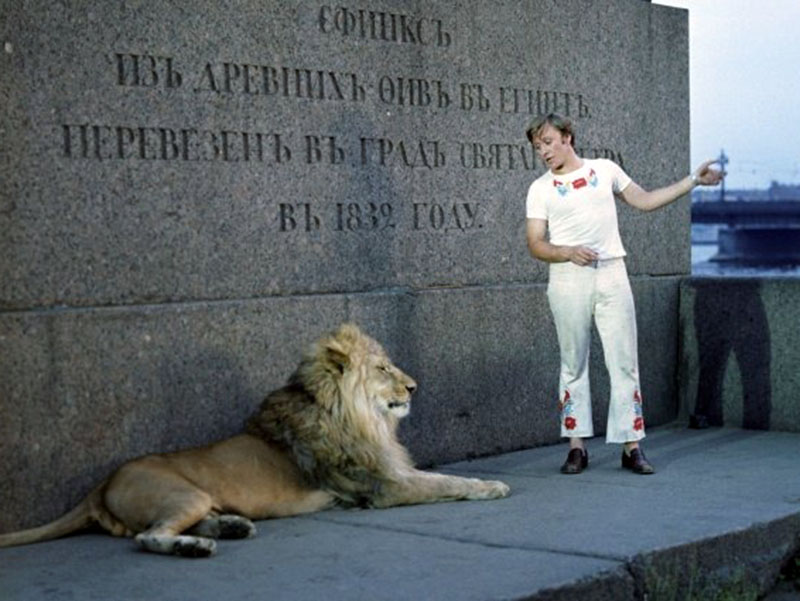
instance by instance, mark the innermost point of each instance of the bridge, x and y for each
(757, 232)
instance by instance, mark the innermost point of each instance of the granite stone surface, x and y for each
(86, 390)
(193, 192)
(738, 352)
(205, 150)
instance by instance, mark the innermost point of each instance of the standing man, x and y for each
(574, 202)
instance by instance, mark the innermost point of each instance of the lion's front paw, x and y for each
(498, 489)
(490, 489)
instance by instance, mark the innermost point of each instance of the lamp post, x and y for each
(722, 160)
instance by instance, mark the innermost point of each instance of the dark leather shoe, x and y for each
(577, 461)
(637, 462)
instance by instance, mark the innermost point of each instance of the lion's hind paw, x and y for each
(235, 526)
(194, 546)
(226, 526)
(185, 546)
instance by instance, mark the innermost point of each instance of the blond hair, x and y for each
(560, 123)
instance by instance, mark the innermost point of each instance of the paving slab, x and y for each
(722, 513)
(299, 558)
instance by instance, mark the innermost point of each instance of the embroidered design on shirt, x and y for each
(563, 188)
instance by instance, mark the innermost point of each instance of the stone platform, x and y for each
(716, 521)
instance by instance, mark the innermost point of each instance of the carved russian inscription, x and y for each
(276, 147)
(319, 84)
(382, 26)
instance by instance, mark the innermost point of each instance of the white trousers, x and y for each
(577, 294)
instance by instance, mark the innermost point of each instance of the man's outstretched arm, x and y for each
(637, 197)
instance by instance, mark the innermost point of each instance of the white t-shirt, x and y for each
(580, 208)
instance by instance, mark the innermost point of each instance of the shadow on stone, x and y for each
(729, 317)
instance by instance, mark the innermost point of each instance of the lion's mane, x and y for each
(327, 419)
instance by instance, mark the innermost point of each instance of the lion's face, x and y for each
(358, 367)
(387, 387)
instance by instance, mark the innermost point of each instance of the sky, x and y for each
(744, 74)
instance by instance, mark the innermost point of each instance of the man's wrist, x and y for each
(694, 180)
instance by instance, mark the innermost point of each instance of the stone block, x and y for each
(738, 352)
(171, 152)
(86, 390)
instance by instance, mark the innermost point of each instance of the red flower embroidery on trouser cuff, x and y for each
(570, 423)
(565, 402)
(638, 423)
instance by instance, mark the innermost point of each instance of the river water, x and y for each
(702, 265)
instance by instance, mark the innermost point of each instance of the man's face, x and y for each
(553, 147)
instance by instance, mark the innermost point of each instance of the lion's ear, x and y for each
(336, 356)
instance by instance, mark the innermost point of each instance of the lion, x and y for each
(327, 438)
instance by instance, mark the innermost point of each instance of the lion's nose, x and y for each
(411, 387)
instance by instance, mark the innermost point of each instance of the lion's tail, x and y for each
(82, 516)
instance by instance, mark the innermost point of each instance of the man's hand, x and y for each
(544, 251)
(706, 176)
(581, 255)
